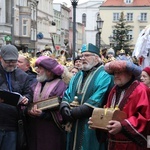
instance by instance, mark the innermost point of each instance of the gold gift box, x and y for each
(101, 117)
(52, 102)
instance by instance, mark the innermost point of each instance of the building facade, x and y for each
(45, 19)
(137, 15)
(61, 38)
(18, 24)
(57, 36)
(86, 14)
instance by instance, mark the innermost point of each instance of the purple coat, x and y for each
(43, 132)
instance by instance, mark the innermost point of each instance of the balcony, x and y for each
(5, 28)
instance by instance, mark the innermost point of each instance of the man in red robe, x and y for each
(132, 97)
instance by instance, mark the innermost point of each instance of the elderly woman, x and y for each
(132, 97)
(145, 76)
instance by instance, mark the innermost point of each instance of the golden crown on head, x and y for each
(122, 51)
(27, 56)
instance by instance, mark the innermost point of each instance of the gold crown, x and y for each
(122, 51)
(27, 56)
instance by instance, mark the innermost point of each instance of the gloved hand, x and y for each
(66, 112)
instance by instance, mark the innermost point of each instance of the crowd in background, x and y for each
(94, 79)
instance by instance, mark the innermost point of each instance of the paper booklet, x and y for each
(10, 98)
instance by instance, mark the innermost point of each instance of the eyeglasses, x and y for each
(10, 61)
(86, 55)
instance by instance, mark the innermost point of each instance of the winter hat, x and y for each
(147, 70)
(76, 58)
(121, 65)
(9, 52)
(50, 64)
(111, 51)
(90, 48)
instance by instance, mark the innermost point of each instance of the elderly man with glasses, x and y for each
(89, 88)
(12, 79)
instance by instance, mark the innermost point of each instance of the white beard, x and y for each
(41, 78)
(87, 67)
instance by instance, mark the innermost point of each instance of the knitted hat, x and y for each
(121, 65)
(50, 64)
(9, 52)
(111, 51)
(147, 70)
(90, 48)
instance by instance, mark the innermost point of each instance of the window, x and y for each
(130, 35)
(23, 2)
(116, 16)
(129, 16)
(33, 13)
(128, 1)
(25, 29)
(143, 17)
(84, 19)
(33, 34)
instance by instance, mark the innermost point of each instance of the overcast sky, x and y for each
(69, 2)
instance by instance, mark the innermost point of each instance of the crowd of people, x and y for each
(90, 81)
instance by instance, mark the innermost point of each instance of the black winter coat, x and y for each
(19, 83)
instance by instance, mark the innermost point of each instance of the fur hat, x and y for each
(147, 70)
(50, 64)
(90, 48)
(121, 65)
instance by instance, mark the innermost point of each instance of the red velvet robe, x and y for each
(135, 128)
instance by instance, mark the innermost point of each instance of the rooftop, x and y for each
(120, 3)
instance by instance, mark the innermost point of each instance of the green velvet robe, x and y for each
(91, 91)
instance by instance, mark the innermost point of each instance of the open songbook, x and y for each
(10, 98)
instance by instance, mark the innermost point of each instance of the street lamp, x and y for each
(99, 28)
(74, 4)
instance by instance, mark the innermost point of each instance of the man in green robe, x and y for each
(90, 86)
